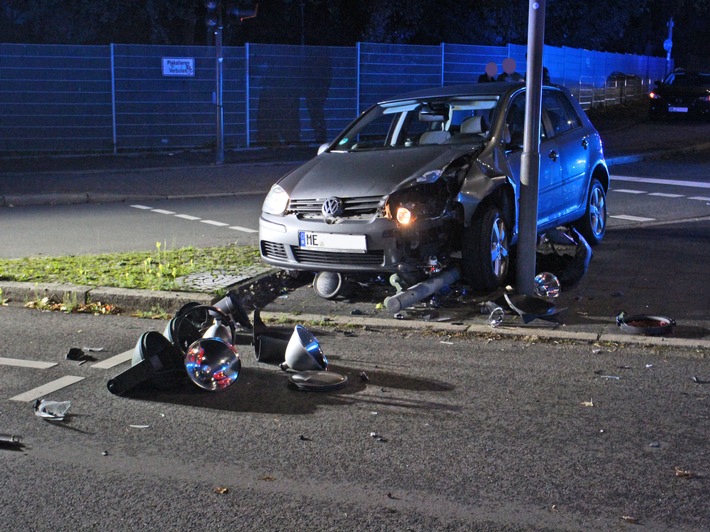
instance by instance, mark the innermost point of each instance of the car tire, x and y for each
(485, 250)
(592, 226)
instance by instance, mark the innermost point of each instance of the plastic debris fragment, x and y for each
(51, 410)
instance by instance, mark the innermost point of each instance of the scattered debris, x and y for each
(139, 426)
(221, 490)
(683, 473)
(11, 441)
(589, 403)
(364, 377)
(698, 380)
(51, 410)
(78, 355)
(629, 519)
(645, 325)
(303, 438)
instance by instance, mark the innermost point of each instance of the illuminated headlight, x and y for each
(276, 201)
(405, 216)
(654, 96)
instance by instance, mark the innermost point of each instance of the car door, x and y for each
(549, 176)
(564, 128)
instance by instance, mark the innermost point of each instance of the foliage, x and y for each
(608, 25)
(157, 270)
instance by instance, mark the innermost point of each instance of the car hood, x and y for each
(370, 173)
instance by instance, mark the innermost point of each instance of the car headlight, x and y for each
(405, 216)
(276, 201)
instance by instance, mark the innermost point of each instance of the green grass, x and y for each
(156, 270)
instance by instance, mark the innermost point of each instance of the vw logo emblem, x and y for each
(332, 208)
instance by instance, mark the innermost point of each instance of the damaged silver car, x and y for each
(431, 179)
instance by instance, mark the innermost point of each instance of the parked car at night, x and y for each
(682, 94)
(433, 177)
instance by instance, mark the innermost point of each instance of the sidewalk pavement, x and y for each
(616, 280)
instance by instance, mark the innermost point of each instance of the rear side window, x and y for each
(558, 115)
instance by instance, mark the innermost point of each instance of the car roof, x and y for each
(496, 88)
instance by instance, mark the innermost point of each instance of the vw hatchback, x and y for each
(431, 179)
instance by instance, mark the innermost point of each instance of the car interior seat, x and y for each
(473, 124)
(434, 137)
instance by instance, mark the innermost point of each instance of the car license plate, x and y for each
(677, 109)
(332, 242)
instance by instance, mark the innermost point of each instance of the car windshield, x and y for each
(413, 123)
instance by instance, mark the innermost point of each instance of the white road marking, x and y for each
(114, 360)
(26, 363)
(694, 184)
(196, 218)
(628, 191)
(700, 198)
(665, 195)
(244, 229)
(45, 389)
(213, 222)
(632, 218)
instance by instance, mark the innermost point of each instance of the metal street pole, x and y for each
(530, 159)
(219, 107)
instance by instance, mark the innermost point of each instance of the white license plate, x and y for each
(677, 109)
(332, 242)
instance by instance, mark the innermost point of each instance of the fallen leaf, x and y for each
(683, 473)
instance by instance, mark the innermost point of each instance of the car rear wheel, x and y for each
(485, 250)
(592, 225)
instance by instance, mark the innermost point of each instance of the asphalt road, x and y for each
(450, 432)
(665, 190)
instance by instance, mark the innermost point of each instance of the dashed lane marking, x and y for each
(26, 363)
(628, 191)
(192, 218)
(632, 218)
(48, 388)
(666, 195)
(214, 222)
(114, 360)
(693, 184)
(700, 198)
(244, 229)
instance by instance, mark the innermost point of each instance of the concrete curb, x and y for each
(149, 300)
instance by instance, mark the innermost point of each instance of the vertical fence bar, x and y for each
(113, 100)
(247, 95)
(357, 82)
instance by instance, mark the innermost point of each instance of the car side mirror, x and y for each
(322, 148)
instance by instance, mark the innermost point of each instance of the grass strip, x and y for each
(154, 270)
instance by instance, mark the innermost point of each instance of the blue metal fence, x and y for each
(120, 97)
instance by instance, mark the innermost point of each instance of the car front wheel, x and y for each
(592, 225)
(485, 250)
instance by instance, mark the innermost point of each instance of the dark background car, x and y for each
(432, 179)
(682, 94)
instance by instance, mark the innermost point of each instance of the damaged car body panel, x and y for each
(434, 175)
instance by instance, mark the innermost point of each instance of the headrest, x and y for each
(434, 137)
(473, 124)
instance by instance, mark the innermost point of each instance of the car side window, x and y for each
(515, 120)
(558, 115)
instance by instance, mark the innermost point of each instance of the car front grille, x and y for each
(329, 258)
(273, 250)
(359, 206)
